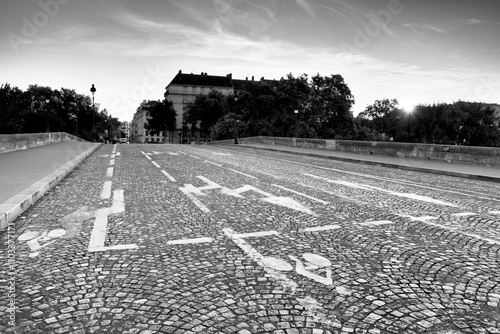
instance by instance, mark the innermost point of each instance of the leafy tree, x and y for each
(13, 107)
(161, 117)
(205, 111)
(329, 107)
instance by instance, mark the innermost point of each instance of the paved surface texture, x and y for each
(26, 175)
(190, 239)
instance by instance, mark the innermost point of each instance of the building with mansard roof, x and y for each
(183, 89)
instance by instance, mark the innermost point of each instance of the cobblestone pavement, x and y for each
(204, 239)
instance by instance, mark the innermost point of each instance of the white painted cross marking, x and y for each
(269, 198)
(109, 172)
(111, 162)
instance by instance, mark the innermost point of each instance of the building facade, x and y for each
(138, 131)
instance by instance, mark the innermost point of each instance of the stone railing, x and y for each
(486, 156)
(16, 142)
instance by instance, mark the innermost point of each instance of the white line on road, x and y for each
(109, 172)
(426, 219)
(256, 234)
(213, 163)
(377, 222)
(463, 214)
(379, 178)
(156, 165)
(394, 193)
(495, 212)
(194, 156)
(118, 205)
(106, 190)
(111, 162)
(247, 175)
(301, 194)
(190, 241)
(168, 176)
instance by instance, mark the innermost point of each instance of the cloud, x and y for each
(306, 7)
(426, 26)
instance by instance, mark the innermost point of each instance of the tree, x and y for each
(205, 111)
(13, 108)
(329, 107)
(161, 117)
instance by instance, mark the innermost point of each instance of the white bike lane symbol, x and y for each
(37, 241)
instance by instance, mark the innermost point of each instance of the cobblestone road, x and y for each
(191, 239)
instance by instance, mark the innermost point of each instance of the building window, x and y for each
(193, 89)
(203, 89)
(185, 90)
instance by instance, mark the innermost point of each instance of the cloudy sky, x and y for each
(417, 51)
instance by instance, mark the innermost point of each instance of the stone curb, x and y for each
(17, 204)
(383, 164)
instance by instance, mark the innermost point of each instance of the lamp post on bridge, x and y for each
(93, 90)
(47, 126)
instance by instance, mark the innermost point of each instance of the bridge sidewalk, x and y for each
(27, 175)
(429, 166)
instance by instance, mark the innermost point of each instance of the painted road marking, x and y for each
(237, 171)
(301, 194)
(168, 176)
(426, 219)
(193, 156)
(190, 191)
(193, 199)
(106, 190)
(377, 223)
(213, 163)
(183, 152)
(173, 153)
(111, 162)
(394, 193)
(98, 234)
(190, 241)
(463, 214)
(320, 228)
(109, 172)
(289, 286)
(154, 163)
(256, 234)
(380, 178)
(118, 205)
(495, 212)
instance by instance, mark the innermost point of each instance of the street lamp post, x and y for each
(47, 126)
(93, 90)
(237, 121)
